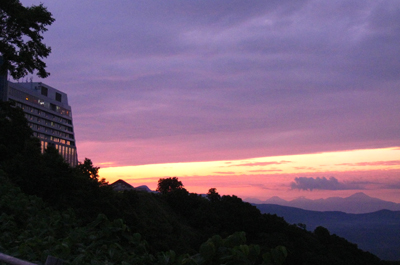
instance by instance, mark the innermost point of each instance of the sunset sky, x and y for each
(254, 98)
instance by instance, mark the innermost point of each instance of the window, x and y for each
(52, 107)
(58, 97)
(44, 91)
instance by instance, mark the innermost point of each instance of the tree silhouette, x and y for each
(169, 184)
(91, 172)
(21, 46)
(213, 195)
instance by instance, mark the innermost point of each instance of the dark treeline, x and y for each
(50, 208)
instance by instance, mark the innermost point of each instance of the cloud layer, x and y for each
(173, 81)
(304, 183)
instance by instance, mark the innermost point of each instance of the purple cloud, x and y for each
(304, 183)
(206, 80)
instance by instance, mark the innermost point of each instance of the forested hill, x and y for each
(49, 208)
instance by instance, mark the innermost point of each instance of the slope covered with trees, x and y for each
(50, 208)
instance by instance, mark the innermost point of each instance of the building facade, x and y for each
(47, 112)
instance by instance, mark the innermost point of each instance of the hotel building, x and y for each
(47, 112)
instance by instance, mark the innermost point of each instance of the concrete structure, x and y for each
(47, 112)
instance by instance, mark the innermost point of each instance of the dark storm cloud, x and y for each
(205, 80)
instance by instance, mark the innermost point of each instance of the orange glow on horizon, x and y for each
(265, 177)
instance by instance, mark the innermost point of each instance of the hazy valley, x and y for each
(377, 232)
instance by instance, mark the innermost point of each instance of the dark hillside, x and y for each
(49, 208)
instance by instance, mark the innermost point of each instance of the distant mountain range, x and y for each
(356, 203)
(377, 232)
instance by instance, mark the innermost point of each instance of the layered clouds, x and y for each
(175, 81)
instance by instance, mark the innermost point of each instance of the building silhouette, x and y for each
(47, 112)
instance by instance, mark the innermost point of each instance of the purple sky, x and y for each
(173, 81)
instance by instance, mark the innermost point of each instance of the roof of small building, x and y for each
(121, 185)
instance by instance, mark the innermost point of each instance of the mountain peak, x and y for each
(275, 200)
(359, 196)
(301, 199)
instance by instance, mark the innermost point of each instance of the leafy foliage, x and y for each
(21, 46)
(31, 230)
(234, 250)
